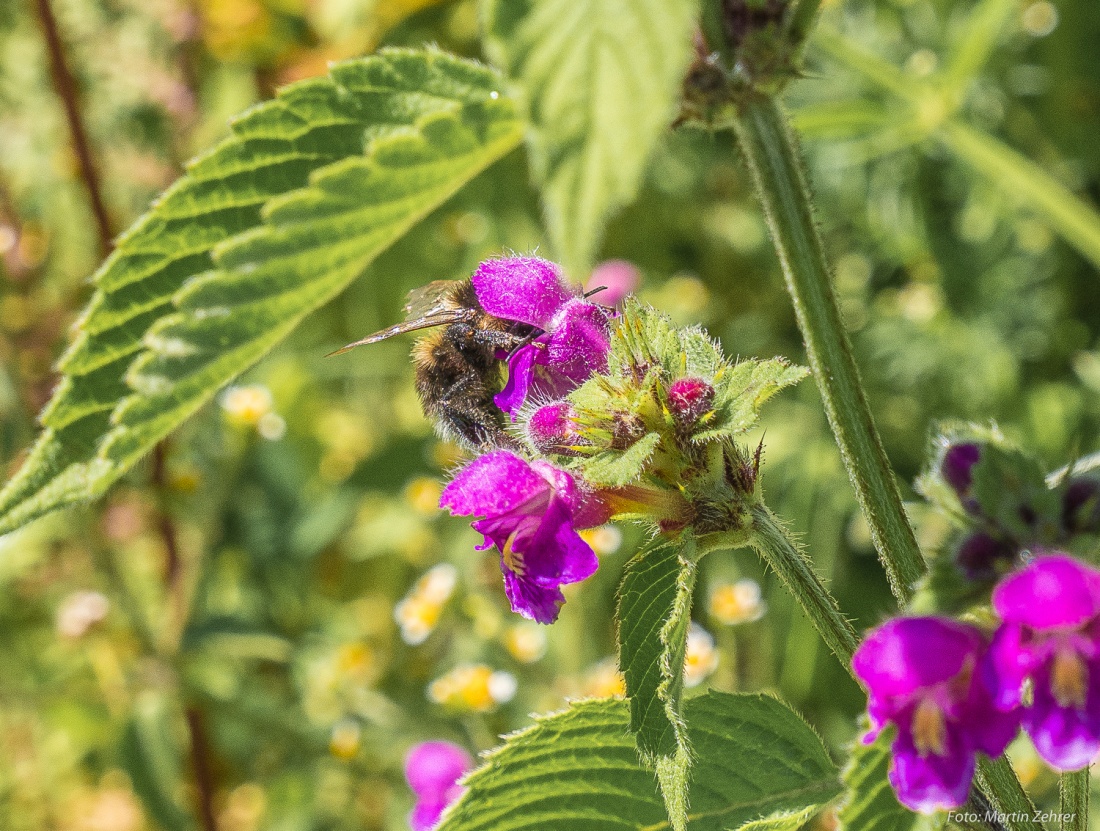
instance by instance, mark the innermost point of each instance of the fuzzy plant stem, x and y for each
(1074, 806)
(775, 546)
(1005, 796)
(774, 161)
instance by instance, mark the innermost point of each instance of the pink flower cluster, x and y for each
(952, 691)
(531, 510)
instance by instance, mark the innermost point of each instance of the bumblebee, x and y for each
(457, 367)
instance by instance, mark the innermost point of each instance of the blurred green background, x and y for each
(331, 615)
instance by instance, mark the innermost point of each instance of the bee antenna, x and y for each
(596, 290)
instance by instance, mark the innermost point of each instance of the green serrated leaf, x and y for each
(579, 770)
(267, 227)
(780, 821)
(614, 469)
(741, 389)
(601, 80)
(869, 803)
(654, 618)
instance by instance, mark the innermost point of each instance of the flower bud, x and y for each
(627, 428)
(690, 399)
(1081, 507)
(958, 464)
(552, 429)
(978, 555)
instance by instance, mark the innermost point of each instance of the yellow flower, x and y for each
(345, 739)
(473, 688)
(734, 603)
(418, 613)
(701, 658)
(604, 539)
(526, 642)
(604, 680)
(423, 494)
(246, 405)
(355, 660)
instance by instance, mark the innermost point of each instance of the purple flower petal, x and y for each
(521, 367)
(618, 277)
(432, 768)
(907, 654)
(979, 554)
(1052, 592)
(957, 466)
(1007, 665)
(533, 601)
(556, 553)
(425, 814)
(1066, 737)
(930, 782)
(527, 289)
(530, 511)
(579, 341)
(493, 484)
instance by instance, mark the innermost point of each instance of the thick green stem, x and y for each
(799, 21)
(1074, 791)
(772, 542)
(1011, 804)
(774, 160)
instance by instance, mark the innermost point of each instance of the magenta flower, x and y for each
(617, 278)
(919, 674)
(432, 770)
(552, 428)
(531, 511)
(575, 333)
(1050, 635)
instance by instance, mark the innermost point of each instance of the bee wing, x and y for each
(440, 319)
(435, 298)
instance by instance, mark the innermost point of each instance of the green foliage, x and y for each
(266, 228)
(781, 821)
(869, 803)
(647, 354)
(654, 618)
(578, 769)
(613, 470)
(601, 81)
(152, 756)
(652, 633)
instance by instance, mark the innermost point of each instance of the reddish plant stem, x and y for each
(165, 527)
(177, 599)
(65, 86)
(200, 766)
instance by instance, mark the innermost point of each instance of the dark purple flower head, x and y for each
(552, 428)
(690, 399)
(979, 554)
(531, 511)
(1081, 506)
(1050, 635)
(575, 335)
(919, 674)
(957, 466)
(432, 770)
